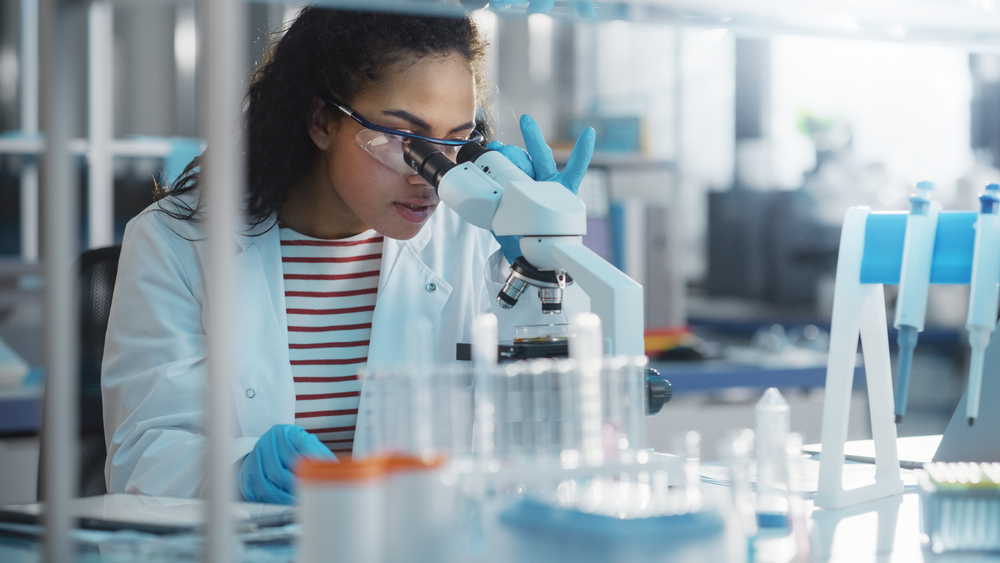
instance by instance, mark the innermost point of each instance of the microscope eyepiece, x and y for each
(430, 163)
(470, 152)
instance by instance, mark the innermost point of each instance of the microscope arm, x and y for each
(614, 297)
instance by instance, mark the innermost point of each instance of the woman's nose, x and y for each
(418, 180)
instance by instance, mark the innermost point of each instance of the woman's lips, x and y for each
(415, 210)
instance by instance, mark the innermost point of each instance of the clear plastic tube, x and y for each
(577, 412)
(688, 449)
(635, 386)
(422, 417)
(797, 515)
(772, 421)
(484, 362)
(586, 350)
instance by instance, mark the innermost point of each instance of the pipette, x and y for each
(914, 279)
(982, 317)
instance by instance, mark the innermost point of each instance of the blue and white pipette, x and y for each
(983, 295)
(914, 279)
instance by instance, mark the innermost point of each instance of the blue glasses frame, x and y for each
(475, 136)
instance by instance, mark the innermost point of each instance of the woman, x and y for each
(343, 247)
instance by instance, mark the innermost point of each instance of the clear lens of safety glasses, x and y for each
(388, 149)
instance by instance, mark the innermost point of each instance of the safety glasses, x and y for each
(386, 145)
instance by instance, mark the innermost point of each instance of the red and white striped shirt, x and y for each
(330, 290)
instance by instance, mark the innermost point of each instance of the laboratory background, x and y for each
(732, 139)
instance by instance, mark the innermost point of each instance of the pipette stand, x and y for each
(979, 442)
(858, 311)
(871, 255)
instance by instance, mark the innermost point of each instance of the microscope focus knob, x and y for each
(658, 391)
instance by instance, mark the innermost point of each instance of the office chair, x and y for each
(98, 270)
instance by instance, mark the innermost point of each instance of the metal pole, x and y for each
(29, 126)
(675, 214)
(100, 89)
(222, 184)
(60, 422)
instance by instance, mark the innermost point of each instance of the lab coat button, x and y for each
(251, 393)
(431, 287)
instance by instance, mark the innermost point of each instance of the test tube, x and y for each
(586, 350)
(569, 414)
(735, 450)
(502, 410)
(688, 448)
(772, 421)
(542, 419)
(417, 374)
(797, 515)
(484, 362)
(635, 385)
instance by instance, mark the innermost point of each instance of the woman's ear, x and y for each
(319, 124)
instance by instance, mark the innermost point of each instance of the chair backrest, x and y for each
(98, 271)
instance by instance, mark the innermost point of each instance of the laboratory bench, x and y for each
(885, 530)
(20, 411)
(714, 375)
(21, 408)
(20, 422)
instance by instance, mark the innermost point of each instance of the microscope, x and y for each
(489, 191)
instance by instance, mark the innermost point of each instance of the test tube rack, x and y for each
(871, 256)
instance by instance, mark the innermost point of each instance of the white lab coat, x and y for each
(154, 371)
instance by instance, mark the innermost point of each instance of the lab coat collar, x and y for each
(392, 249)
(418, 242)
(253, 234)
(266, 231)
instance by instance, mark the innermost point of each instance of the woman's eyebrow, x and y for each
(420, 123)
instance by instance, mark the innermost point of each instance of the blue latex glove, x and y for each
(538, 163)
(266, 474)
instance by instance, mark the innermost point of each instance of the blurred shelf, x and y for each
(130, 148)
(967, 23)
(21, 145)
(617, 160)
(972, 24)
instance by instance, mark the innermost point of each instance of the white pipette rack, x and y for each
(871, 255)
(858, 311)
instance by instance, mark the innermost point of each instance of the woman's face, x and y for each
(429, 96)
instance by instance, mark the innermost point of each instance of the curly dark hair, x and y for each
(324, 53)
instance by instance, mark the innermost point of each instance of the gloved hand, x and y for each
(538, 163)
(266, 474)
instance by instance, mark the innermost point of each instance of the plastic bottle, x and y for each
(420, 510)
(341, 510)
(772, 427)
